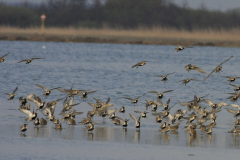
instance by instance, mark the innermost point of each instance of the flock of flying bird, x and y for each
(198, 116)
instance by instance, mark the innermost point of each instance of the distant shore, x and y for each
(140, 36)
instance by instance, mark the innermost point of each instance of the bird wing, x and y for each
(45, 89)
(119, 118)
(169, 73)
(15, 90)
(220, 104)
(133, 117)
(231, 110)
(235, 106)
(167, 91)
(30, 96)
(6, 93)
(226, 76)
(183, 104)
(233, 85)
(37, 98)
(128, 98)
(199, 70)
(34, 101)
(170, 117)
(209, 102)
(108, 100)
(71, 100)
(153, 92)
(111, 111)
(157, 103)
(138, 112)
(22, 61)
(168, 101)
(141, 96)
(36, 58)
(29, 113)
(91, 92)
(5, 55)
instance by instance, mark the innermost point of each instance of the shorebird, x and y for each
(47, 91)
(237, 122)
(84, 95)
(36, 122)
(218, 68)
(68, 105)
(90, 126)
(43, 121)
(137, 122)
(215, 105)
(164, 114)
(23, 101)
(28, 60)
(192, 131)
(31, 115)
(160, 95)
(159, 119)
(231, 79)
(190, 67)
(71, 121)
(191, 118)
(58, 126)
(234, 130)
(122, 109)
(164, 125)
(11, 96)
(174, 128)
(185, 81)
(202, 127)
(234, 112)
(86, 120)
(143, 114)
(38, 101)
(3, 58)
(180, 48)
(116, 121)
(24, 127)
(236, 89)
(165, 105)
(124, 122)
(56, 121)
(164, 78)
(164, 130)
(139, 64)
(134, 101)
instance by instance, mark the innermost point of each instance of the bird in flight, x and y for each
(3, 57)
(218, 68)
(28, 60)
(139, 64)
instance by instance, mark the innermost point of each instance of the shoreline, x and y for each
(152, 37)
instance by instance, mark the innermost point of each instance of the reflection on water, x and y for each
(107, 69)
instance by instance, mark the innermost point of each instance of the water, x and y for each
(107, 68)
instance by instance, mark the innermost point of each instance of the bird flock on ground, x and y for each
(197, 115)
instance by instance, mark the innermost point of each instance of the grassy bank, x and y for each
(138, 36)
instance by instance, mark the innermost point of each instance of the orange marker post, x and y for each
(43, 17)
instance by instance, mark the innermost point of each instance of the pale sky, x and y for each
(222, 5)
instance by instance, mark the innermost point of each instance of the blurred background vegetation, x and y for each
(118, 14)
